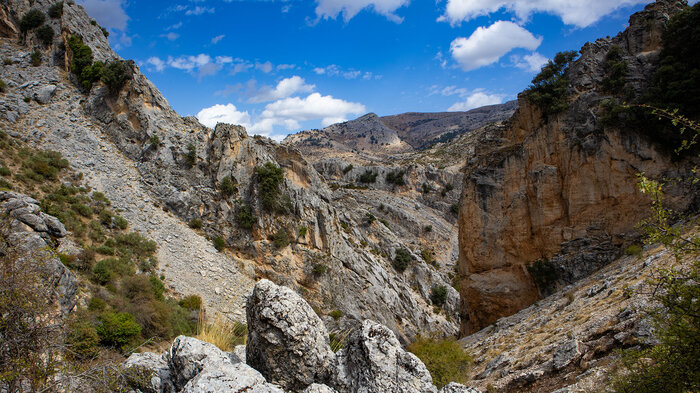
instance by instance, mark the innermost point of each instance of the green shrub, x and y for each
(549, 88)
(544, 274)
(31, 20)
(219, 243)
(191, 302)
(335, 314)
(106, 216)
(191, 155)
(402, 259)
(269, 178)
(347, 169)
(384, 222)
(228, 187)
(133, 244)
(120, 222)
(96, 304)
(157, 286)
(3, 86)
(36, 58)
(105, 250)
(181, 320)
(427, 256)
(446, 360)
(91, 74)
(114, 75)
(454, 209)
(245, 217)
(370, 218)
(5, 171)
(104, 32)
(396, 178)
(195, 223)
(438, 295)
(82, 341)
(615, 70)
(56, 10)
(367, 177)
(634, 249)
(428, 228)
(302, 230)
(45, 34)
(102, 272)
(81, 64)
(319, 269)
(154, 140)
(280, 239)
(117, 329)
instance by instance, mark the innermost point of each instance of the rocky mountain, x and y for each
(562, 189)
(164, 171)
(371, 135)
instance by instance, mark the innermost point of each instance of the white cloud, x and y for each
(330, 9)
(289, 112)
(156, 63)
(218, 38)
(199, 10)
(572, 12)
(189, 63)
(285, 88)
(488, 44)
(532, 62)
(265, 67)
(109, 13)
(448, 91)
(334, 70)
(223, 114)
(171, 36)
(476, 100)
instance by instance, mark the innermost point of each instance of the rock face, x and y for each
(288, 351)
(110, 137)
(373, 361)
(32, 233)
(287, 341)
(561, 189)
(193, 366)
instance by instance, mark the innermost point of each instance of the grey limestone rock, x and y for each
(188, 357)
(316, 388)
(374, 361)
(156, 366)
(567, 353)
(287, 341)
(228, 377)
(44, 94)
(454, 387)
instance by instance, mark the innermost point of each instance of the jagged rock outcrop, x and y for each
(287, 341)
(373, 361)
(32, 234)
(454, 387)
(111, 137)
(562, 188)
(288, 344)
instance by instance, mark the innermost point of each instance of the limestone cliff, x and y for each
(561, 188)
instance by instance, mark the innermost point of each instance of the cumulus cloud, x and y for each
(201, 65)
(109, 13)
(476, 100)
(287, 113)
(577, 13)
(156, 63)
(228, 113)
(330, 9)
(218, 38)
(171, 36)
(488, 44)
(285, 88)
(531, 63)
(334, 70)
(265, 67)
(200, 10)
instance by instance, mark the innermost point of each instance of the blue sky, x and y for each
(280, 66)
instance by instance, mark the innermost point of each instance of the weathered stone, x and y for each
(316, 388)
(44, 94)
(566, 354)
(454, 387)
(188, 357)
(374, 361)
(143, 365)
(238, 354)
(287, 341)
(228, 377)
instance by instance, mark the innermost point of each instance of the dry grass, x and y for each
(222, 332)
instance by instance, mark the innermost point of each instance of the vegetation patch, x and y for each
(269, 178)
(438, 295)
(402, 259)
(548, 90)
(56, 10)
(544, 274)
(446, 360)
(396, 178)
(367, 177)
(31, 20)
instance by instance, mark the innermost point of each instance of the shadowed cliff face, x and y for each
(561, 189)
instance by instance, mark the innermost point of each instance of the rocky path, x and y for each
(188, 260)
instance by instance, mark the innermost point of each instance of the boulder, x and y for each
(454, 387)
(567, 353)
(188, 357)
(287, 341)
(316, 388)
(44, 94)
(156, 371)
(374, 361)
(228, 377)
